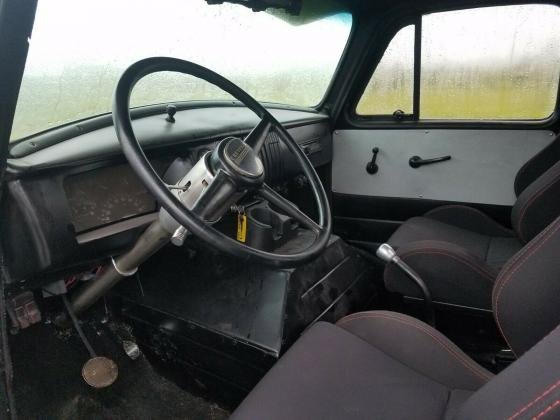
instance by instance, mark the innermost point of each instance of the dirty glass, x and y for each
(490, 63)
(79, 49)
(391, 86)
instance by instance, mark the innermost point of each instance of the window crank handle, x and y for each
(372, 167)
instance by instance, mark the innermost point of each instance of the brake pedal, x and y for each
(98, 371)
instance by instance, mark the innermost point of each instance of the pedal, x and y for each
(131, 349)
(123, 338)
(100, 372)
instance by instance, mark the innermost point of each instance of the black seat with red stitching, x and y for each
(458, 250)
(385, 365)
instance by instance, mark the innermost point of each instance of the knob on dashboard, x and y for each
(171, 111)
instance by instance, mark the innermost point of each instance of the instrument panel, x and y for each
(76, 202)
(106, 195)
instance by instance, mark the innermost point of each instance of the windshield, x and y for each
(79, 49)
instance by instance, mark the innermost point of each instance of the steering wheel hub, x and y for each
(239, 161)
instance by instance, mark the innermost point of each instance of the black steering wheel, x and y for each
(234, 167)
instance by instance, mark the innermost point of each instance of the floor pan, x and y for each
(48, 382)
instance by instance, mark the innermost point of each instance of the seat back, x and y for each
(537, 205)
(526, 304)
(536, 166)
(528, 389)
(526, 294)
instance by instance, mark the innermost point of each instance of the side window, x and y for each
(495, 63)
(392, 84)
(490, 63)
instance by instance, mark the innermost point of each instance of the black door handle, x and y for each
(417, 161)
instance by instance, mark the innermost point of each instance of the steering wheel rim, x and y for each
(191, 221)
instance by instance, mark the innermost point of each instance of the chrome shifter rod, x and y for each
(386, 253)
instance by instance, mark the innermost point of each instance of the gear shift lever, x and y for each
(386, 253)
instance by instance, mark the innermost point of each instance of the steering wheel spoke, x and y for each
(256, 138)
(288, 207)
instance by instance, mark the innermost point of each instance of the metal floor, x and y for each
(48, 382)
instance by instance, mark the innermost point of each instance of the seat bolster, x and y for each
(538, 205)
(525, 296)
(470, 219)
(536, 166)
(451, 273)
(418, 346)
(527, 389)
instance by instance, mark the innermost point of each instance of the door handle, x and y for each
(416, 161)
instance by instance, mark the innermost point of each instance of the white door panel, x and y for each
(482, 168)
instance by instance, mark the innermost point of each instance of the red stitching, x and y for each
(449, 206)
(477, 211)
(546, 410)
(509, 265)
(524, 408)
(537, 194)
(478, 269)
(539, 241)
(465, 361)
(534, 245)
(462, 359)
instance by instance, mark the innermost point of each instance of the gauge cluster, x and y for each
(106, 195)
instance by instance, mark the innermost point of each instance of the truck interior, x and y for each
(279, 209)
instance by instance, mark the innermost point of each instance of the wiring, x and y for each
(6, 355)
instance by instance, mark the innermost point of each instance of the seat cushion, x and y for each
(424, 228)
(458, 252)
(330, 373)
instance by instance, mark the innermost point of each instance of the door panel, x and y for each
(482, 168)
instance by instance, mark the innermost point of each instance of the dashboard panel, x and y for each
(77, 202)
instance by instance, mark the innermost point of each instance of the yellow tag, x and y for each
(241, 227)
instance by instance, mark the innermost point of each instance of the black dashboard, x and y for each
(76, 202)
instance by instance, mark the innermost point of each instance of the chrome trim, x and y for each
(123, 273)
